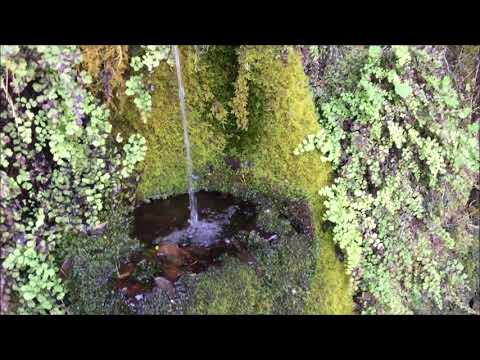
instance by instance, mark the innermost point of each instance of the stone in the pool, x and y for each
(166, 285)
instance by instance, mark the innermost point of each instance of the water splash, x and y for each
(186, 141)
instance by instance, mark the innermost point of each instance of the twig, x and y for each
(1, 293)
(476, 84)
(7, 95)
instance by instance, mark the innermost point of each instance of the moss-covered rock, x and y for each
(330, 289)
(256, 108)
(286, 270)
(280, 111)
(233, 289)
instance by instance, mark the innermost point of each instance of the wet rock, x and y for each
(172, 272)
(131, 288)
(165, 285)
(173, 254)
(199, 252)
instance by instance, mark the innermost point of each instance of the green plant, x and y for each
(39, 288)
(137, 86)
(96, 263)
(59, 166)
(406, 156)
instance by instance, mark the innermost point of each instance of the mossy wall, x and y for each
(253, 103)
(280, 111)
(274, 110)
(164, 171)
(330, 288)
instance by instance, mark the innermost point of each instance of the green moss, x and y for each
(234, 289)
(280, 112)
(330, 290)
(286, 271)
(164, 171)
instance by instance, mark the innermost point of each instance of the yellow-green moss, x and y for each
(164, 171)
(234, 289)
(280, 113)
(330, 288)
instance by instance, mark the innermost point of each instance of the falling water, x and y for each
(186, 141)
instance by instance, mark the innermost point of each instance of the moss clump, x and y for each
(286, 269)
(164, 171)
(234, 289)
(280, 112)
(330, 289)
(107, 65)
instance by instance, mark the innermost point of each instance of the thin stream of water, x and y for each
(186, 141)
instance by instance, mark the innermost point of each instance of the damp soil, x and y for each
(171, 247)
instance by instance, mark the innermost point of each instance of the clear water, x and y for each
(186, 141)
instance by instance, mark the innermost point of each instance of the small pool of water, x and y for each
(172, 248)
(220, 216)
